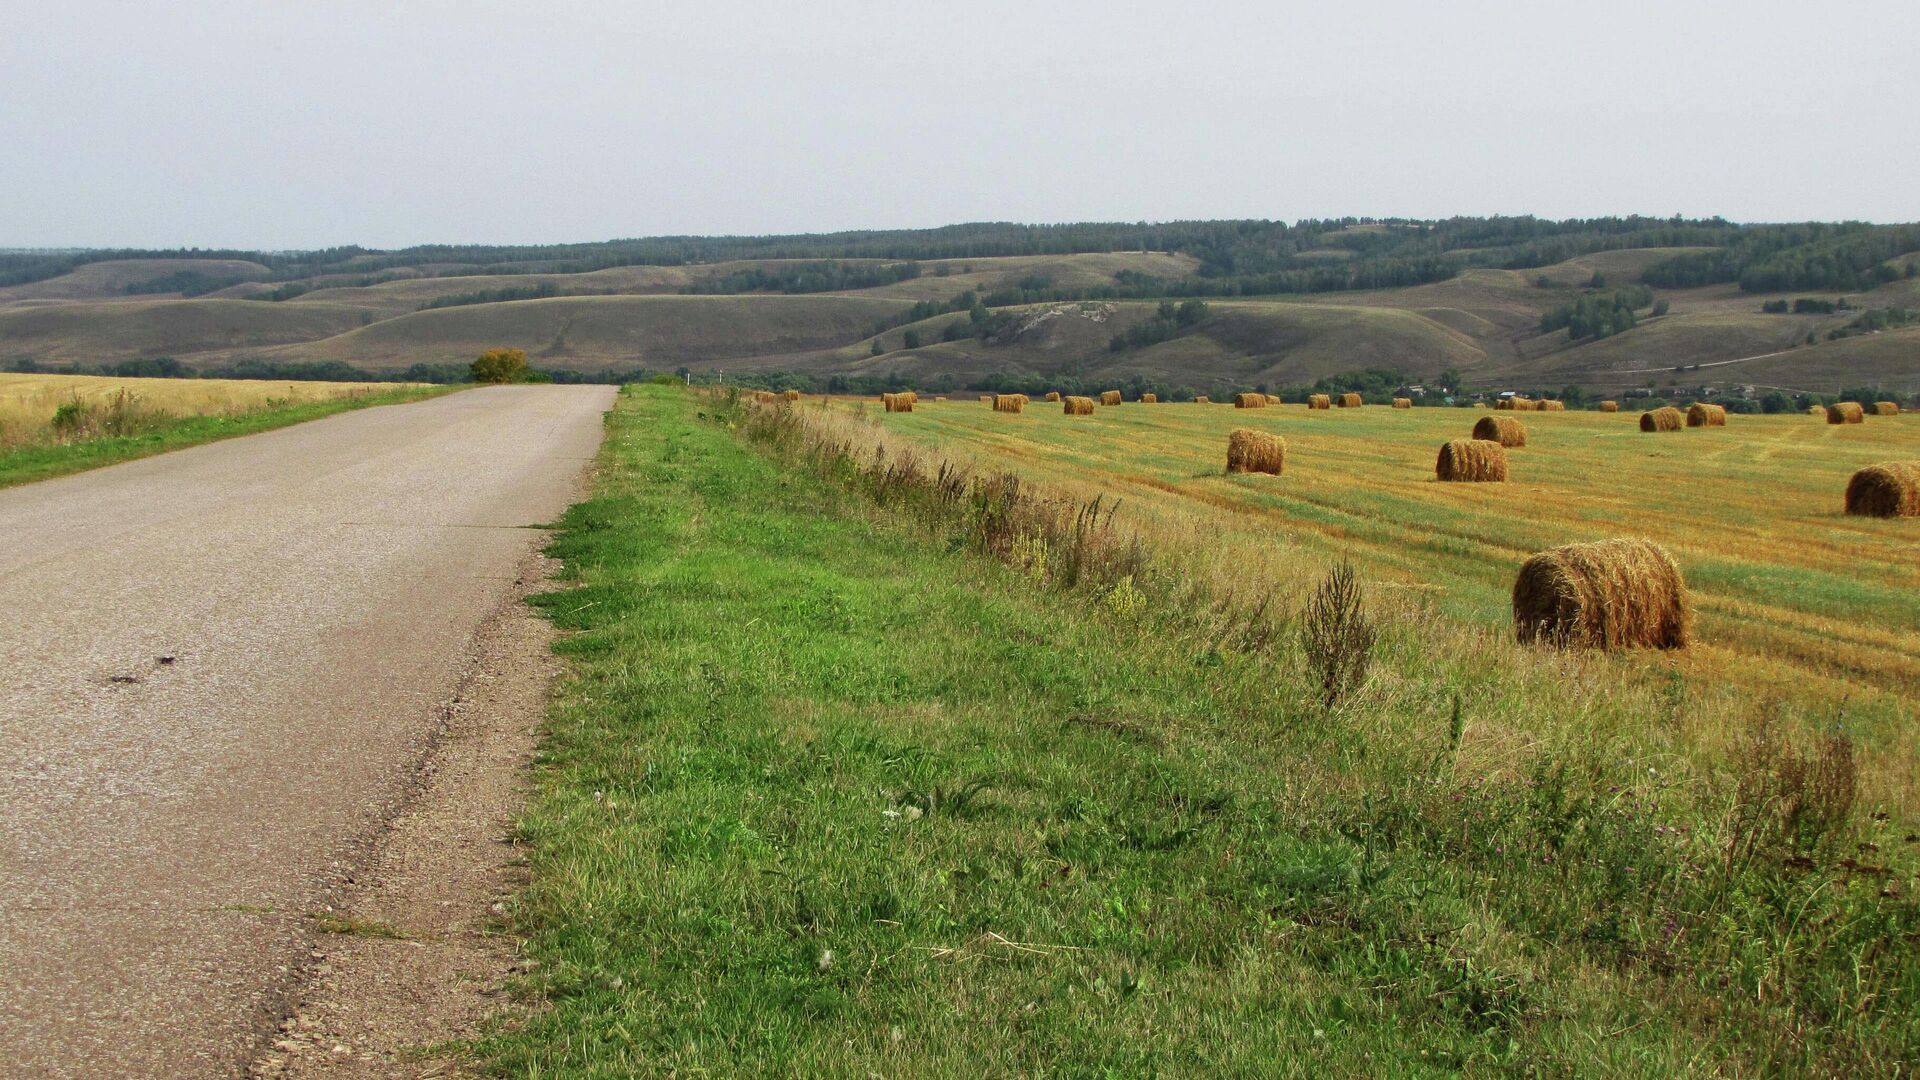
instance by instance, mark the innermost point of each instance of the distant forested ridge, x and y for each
(1233, 257)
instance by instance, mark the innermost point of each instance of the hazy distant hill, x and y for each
(1285, 304)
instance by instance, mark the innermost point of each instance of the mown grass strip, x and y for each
(824, 797)
(27, 464)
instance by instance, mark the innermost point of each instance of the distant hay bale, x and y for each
(1504, 430)
(1009, 402)
(1700, 414)
(1109, 397)
(1889, 489)
(1351, 401)
(1512, 404)
(897, 402)
(1256, 451)
(1249, 401)
(1886, 408)
(1149, 399)
(790, 395)
(765, 397)
(1472, 461)
(1549, 405)
(1609, 594)
(1664, 418)
(1846, 412)
(1053, 395)
(1609, 406)
(1319, 401)
(1078, 406)
(1272, 399)
(1202, 399)
(1816, 410)
(1403, 403)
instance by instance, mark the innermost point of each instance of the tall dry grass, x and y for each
(89, 406)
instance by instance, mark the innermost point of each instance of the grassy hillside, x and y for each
(627, 331)
(1414, 297)
(832, 790)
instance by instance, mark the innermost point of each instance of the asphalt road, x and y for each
(217, 667)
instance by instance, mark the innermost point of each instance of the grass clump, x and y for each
(833, 789)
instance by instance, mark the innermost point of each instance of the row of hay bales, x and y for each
(1520, 404)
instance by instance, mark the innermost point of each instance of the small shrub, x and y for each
(1337, 637)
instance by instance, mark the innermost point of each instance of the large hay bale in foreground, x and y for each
(1473, 461)
(1149, 399)
(1609, 594)
(1700, 414)
(1504, 430)
(1256, 451)
(1053, 395)
(1886, 408)
(1664, 418)
(1403, 403)
(1846, 412)
(1249, 401)
(1889, 489)
(1549, 406)
(1351, 401)
(1319, 401)
(1609, 406)
(1109, 397)
(897, 402)
(1078, 406)
(1009, 402)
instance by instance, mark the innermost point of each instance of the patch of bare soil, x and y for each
(411, 955)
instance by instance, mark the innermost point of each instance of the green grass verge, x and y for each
(829, 796)
(30, 463)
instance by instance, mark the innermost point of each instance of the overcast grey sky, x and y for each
(266, 123)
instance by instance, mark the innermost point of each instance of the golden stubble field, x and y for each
(28, 402)
(1794, 600)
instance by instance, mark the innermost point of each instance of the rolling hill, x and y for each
(1286, 305)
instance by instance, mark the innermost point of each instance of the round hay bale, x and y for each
(1549, 406)
(1609, 406)
(1700, 414)
(1053, 395)
(1078, 406)
(1889, 489)
(1403, 403)
(1846, 412)
(1012, 403)
(912, 397)
(1256, 451)
(1319, 401)
(1272, 399)
(1024, 399)
(765, 397)
(1202, 399)
(1886, 408)
(898, 402)
(1351, 401)
(988, 398)
(1816, 410)
(1474, 461)
(790, 395)
(1109, 397)
(1504, 430)
(1249, 401)
(1149, 399)
(1609, 594)
(1664, 418)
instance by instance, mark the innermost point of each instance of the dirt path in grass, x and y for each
(227, 670)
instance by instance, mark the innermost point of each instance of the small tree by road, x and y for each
(497, 366)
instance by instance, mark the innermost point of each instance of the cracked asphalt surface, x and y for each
(218, 669)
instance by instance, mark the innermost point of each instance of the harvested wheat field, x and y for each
(1791, 596)
(28, 402)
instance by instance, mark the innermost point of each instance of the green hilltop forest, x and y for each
(1578, 308)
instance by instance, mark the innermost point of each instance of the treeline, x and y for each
(813, 277)
(1165, 325)
(542, 291)
(1598, 315)
(1778, 258)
